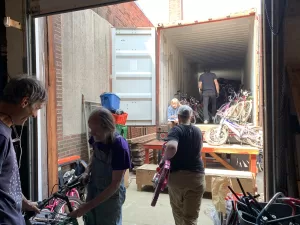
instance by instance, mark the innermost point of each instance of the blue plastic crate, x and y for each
(110, 101)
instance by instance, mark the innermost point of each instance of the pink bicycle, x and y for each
(160, 179)
(74, 194)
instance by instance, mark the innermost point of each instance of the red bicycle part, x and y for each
(162, 182)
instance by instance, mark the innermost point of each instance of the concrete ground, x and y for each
(137, 209)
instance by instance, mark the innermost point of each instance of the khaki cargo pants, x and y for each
(186, 191)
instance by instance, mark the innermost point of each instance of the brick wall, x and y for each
(120, 15)
(124, 15)
(175, 10)
(140, 131)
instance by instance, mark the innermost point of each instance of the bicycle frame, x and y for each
(238, 130)
(55, 201)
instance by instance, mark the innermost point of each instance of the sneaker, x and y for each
(205, 121)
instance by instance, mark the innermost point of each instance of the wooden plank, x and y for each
(230, 149)
(156, 144)
(142, 139)
(51, 113)
(228, 173)
(223, 162)
(205, 127)
(294, 81)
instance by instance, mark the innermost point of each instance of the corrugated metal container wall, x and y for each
(174, 71)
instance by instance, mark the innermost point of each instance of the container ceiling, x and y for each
(215, 44)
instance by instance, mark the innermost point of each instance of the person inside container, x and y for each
(172, 112)
(105, 174)
(22, 97)
(186, 180)
(209, 91)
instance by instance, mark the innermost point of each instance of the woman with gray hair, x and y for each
(22, 98)
(187, 180)
(110, 160)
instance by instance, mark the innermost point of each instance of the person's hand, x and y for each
(83, 209)
(84, 179)
(218, 94)
(30, 206)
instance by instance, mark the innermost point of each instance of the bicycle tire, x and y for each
(61, 204)
(257, 131)
(158, 188)
(247, 109)
(223, 140)
(260, 163)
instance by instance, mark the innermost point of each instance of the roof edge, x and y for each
(246, 13)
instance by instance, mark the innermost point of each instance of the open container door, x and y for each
(133, 73)
(48, 7)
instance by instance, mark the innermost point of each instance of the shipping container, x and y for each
(150, 67)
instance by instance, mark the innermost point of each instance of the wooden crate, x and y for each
(247, 179)
(144, 175)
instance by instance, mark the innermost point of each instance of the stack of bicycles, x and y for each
(238, 108)
(280, 210)
(232, 118)
(54, 209)
(194, 104)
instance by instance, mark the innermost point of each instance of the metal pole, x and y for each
(31, 130)
(274, 74)
(268, 123)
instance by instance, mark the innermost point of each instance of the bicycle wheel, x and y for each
(260, 161)
(158, 187)
(246, 112)
(255, 137)
(63, 208)
(213, 138)
(235, 111)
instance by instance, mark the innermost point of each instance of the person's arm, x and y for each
(172, 143)
(216, 83)
(3, 150)
(200, 84)
(170, 116)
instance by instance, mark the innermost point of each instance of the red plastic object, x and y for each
(121, 119)
(68, 160)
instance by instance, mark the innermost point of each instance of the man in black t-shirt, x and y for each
(209, 88)
(187, 180)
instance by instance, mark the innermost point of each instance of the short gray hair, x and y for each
(185, 111)
(24, 86)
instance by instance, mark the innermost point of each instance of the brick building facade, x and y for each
(120, 15)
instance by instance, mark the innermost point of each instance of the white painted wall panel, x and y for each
(85, 64)
(175, 74)
(133, 73)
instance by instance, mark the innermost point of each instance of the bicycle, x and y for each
(243, 133)
(160, 179)
(53, 210)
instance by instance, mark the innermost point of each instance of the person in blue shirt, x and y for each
(173, 112)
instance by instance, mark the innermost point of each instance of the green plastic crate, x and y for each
(122, 130)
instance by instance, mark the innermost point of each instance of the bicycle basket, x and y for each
(278, 210)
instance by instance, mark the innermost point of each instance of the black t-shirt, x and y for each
(208, 84)
(188, 155)
(10, 185)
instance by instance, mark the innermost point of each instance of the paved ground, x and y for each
(137, 209)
